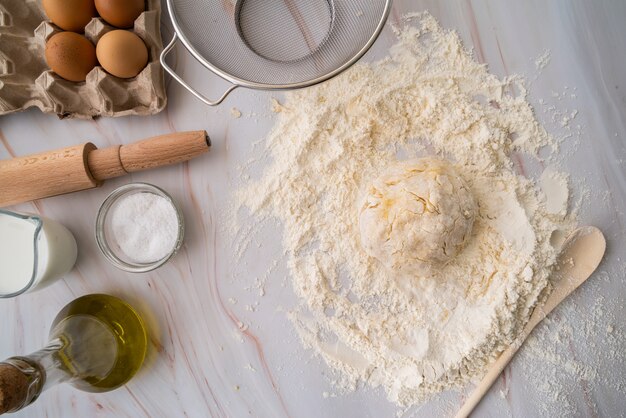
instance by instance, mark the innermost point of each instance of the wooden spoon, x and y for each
(581, 255)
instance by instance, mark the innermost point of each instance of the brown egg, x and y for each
(122, 53)
(120, 13)
(70, 14)
(70, 55)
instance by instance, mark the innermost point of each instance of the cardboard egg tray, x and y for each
(27, 81)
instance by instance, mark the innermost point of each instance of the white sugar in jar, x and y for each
(139, 227)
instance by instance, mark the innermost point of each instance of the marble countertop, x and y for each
(210, 355)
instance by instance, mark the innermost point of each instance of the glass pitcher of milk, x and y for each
(34, 251)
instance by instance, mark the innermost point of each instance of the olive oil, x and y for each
(103, 342)
(97, 344)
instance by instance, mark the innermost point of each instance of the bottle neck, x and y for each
(34, 373)
(47, 359)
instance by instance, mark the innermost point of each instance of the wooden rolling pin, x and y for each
(84, 166)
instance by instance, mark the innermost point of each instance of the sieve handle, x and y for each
(183, 83)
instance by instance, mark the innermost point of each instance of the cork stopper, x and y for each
(13, 388)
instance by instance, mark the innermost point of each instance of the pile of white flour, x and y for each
(412, 337)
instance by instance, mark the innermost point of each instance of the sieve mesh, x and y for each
(277, 43)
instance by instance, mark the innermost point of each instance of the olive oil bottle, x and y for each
(97, 343)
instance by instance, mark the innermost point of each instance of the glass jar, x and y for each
(106, 239)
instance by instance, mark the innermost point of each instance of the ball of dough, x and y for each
(417, 216)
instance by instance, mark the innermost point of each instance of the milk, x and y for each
(24, 238)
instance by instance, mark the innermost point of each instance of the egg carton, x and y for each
(27, 81)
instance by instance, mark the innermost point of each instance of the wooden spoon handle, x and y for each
(485, 384)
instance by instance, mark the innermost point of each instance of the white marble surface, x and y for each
(202, 363)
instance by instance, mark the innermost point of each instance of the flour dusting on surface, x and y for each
(543, 60)
(562, 355)
(419, 336)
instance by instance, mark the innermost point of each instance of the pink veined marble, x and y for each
(214, 352)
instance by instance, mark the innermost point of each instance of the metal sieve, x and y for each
(274, 44)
